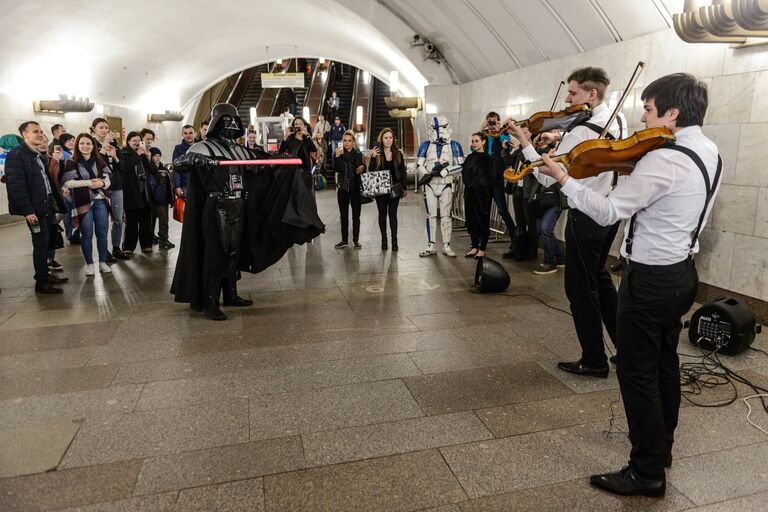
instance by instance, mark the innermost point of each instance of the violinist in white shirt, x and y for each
(667, 198)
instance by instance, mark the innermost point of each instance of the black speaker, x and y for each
(725, 324)
(490, 276)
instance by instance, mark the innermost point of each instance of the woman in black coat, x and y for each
(387, 157)
(134, 165)
(478, 177)
(299, 143)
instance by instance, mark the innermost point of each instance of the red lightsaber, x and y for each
(276, 161)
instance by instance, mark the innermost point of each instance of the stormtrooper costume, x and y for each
(439, 158)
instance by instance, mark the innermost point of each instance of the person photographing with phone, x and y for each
(298, 142)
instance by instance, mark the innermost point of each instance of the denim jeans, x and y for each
(98, 216)
(545, 225)
(69, 203)
(116, 197)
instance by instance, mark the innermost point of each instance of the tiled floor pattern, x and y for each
(360, 380)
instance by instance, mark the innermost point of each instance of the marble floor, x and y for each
(359, 380)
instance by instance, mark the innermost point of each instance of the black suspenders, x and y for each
(711, 187)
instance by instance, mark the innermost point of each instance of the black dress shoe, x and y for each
(56, 280)
(118, 254)
(47, 288)
(111, 258)
(579, 368)
(628, 483)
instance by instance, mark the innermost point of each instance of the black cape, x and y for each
(279, 212)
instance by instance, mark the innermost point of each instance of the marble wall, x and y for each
(734, 246)
(13, 113)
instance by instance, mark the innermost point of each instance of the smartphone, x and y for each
(143, 145)
(56, 148)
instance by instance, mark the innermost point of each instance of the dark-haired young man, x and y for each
(493, 123)
(203, 132)
(667, 197)
(56, 130)
(181, 177)
(33, 195)
(588, 284)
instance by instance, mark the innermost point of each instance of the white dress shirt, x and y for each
(600, 183)
(666, 190)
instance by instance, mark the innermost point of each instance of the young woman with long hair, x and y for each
(386, 156)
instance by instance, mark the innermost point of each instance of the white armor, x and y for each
(439, 150)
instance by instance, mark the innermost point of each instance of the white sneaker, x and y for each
(104, 268)
(89, 271)
(431, 251)
(448, 252)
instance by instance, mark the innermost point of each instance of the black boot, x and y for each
(117, 253)
(229, 290)
(211, 308)
(394, 245)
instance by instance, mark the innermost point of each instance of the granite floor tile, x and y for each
(221, 464)
(720, 476)
(411, 481)
(142, 350)
(331, 408)
(357, 443)
(576, 496)
(514, 463)
(69, 488)
(18, 412)
(48, 360)
(56, 381)
(148, 433)
(26, 319)
(700, 429)
(34, 449)
(19, 341)
(480, 352)
(535, 416)
(164, 502)
(751, 503)
(270, 381)
(259, 336)
(242, 496)
(479, 388)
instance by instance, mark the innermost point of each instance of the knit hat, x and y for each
(155, 151)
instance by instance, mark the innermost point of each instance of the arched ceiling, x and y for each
(161, 55)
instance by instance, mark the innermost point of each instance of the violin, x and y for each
(545, 121)
(596, 156)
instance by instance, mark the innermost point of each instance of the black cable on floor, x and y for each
(535, 298)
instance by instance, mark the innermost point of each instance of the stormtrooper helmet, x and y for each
(439, 130)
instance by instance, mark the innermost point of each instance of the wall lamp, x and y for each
(724, 21)
(63, 104)
(167, 116)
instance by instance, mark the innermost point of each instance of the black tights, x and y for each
(387, 206)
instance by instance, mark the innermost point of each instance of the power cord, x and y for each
(535, 298)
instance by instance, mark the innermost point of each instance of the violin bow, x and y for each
(554, 101)
(620, 104)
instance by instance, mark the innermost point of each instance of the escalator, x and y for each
(252, 94)
(301, 92)
(344, 85)
(380, 114)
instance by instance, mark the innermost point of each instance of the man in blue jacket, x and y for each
(32, 194)
(187, 139)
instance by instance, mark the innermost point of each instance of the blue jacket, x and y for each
(337, 132)
(180, 178)
(27, 193)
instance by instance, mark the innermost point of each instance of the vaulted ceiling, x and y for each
(161, 55)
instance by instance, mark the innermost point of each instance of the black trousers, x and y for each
(40, 246)
(588, 285)
(345, 200)
(652, 300)
(526, 236)
(500, 198)
(387, 207)
(477, 211)
(138, 228)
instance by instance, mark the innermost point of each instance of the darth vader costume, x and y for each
(236, 218)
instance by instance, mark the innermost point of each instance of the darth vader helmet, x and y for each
(225, 122)
(439, 130)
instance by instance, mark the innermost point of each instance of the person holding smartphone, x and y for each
(134, 165)
(106, 146)
(349, 161)
(386, 156)
(299, 143)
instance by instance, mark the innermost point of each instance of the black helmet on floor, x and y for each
(490, 276)
(225, 122)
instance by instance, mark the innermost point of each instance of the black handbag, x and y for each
(397, 191)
